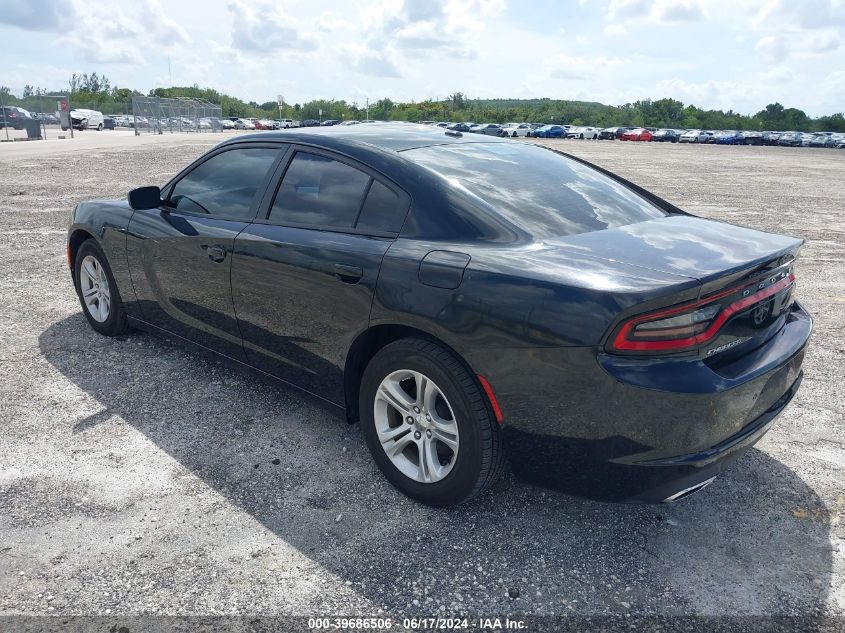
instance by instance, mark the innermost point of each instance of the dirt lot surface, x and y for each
(138, 478)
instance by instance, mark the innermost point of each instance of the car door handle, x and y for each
(215, 252)
(348, 274)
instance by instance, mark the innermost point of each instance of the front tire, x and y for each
(428, 424)
(97, 291)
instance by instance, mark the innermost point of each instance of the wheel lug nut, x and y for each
(417, 435)
(409, 420)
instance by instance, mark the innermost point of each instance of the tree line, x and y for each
(97, 92)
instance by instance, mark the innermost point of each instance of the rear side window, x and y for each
(321, 192)
(226, 184)
(382, 210)
(537, 190)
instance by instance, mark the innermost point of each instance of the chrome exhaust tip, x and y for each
(688, 491)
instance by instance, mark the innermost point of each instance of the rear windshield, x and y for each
(542, 192)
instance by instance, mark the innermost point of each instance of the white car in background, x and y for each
(694, 136)
(84, 119)
(515, 130)
(583, 132)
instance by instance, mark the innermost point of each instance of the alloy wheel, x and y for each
(94, 286)
(416, 426)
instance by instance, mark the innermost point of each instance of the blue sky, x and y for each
(739, 54)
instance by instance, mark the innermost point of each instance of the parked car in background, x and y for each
(550, 131)
(244, 124)
(613, 133)
(515, 130)
(602, 340)
(84, 119)
(582, 132)
(637, 134)
(729, 137)
(772, 138)
(490, 129)
(14, 117)
(790, 139)
(461, 127)
(45, 117)
(666, 135)
(694, 136)
(823, 139)
(752, 137)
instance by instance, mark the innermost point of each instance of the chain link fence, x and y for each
(157, 115)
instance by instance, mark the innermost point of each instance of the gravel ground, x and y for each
(139, 478)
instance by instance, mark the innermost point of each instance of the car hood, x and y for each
(685, 246)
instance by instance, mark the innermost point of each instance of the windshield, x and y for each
(540, 191)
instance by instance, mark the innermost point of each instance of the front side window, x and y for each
(226, 184)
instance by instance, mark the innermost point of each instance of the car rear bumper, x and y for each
(622, 429)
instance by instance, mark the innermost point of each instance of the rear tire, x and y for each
(97, 290)
(472, 459)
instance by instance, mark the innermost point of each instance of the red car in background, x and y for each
(637, 134)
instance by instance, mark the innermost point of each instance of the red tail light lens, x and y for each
(689, 325)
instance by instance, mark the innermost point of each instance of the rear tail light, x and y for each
(690, 325)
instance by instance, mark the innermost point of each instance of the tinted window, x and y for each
(542, 192)
(225, 184)
(382, 211)
(319, 191)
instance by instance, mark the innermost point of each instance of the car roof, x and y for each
(389, 136)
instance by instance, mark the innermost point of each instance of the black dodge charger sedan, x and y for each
(465, 298)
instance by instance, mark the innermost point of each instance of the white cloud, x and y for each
(328, 21)
(38, 15)
(772, 47)
(670, 11)
(656, 11)
(615, 30)
(376, 65)
(262, 28)
(580, 68)
(163, 29)
(798, 44)
(628, 8)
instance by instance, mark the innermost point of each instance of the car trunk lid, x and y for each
(714, 253)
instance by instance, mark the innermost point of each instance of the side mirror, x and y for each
(144, 198)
